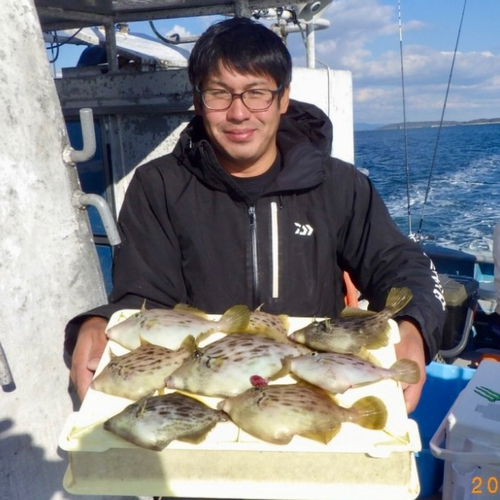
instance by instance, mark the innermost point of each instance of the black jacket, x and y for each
(189, 235)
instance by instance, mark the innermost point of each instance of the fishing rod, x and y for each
(407, 162)
(418, 235)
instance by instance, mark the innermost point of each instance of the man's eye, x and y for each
(256, 93)
(217, 93)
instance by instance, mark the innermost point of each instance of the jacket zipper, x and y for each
(275, 250)
(253, 246)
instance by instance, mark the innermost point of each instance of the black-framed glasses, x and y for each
(253, 99)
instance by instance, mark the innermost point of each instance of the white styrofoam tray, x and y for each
(83, 430)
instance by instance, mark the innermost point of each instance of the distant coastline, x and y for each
(400, 126)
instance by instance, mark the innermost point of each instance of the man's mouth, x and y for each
(237, 135)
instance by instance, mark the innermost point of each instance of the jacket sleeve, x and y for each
(147, 263)
(378, 256)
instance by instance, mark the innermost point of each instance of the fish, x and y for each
(169, 327)
(223, 368)
(336, 373)
(277, 413)
(154, 422)
(141, 371)
(354, 332)
(269, 325)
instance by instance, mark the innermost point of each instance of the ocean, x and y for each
(463, 203)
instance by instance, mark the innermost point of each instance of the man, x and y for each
(214, 224)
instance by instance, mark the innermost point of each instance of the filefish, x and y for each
(336, 372)
(277, 413)
(269, 325)
(169, 327)
(224, 367)
(154, 422)
(142, 371)
(353, 332)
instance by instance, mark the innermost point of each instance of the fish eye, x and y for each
(314, 354)
(197, 354)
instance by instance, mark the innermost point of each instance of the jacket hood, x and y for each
(305, 138)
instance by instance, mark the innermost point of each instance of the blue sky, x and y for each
(364, 38)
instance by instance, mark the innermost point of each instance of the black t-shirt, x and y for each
(253, 187)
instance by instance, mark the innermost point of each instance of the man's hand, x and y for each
(411, 347)
(88, 351)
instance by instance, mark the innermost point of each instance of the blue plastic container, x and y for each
(444, 384)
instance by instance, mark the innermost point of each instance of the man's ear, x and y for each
(285, 100)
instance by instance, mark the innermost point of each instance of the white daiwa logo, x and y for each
(303, 229)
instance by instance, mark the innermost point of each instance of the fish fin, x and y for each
(397, 299)
(217, 362)
(189, 343)
(199, 436)
(257, 309)
(143, 307)
(285, 320)
(235, 319)
(371, 413)
(190, 309)
(366, 355)
(378, 338)
(407, 371)
(143, 341)
(286, 367)
(356, 312)
(150, 323)
(322, 436)
(141, 405)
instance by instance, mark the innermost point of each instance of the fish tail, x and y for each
(285, 321)
(286, 368)
(397, 299)
(371, 413)
(235, 319)
(406, 371)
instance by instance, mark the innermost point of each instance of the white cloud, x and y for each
(364, 38)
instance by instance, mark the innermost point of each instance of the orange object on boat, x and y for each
(351, 294)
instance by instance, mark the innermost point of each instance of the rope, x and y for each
(441, 123)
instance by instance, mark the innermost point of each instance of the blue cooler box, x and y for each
(444, 384)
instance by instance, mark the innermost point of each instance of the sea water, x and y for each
(462, 184)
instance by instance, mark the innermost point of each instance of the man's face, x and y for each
(244, 141)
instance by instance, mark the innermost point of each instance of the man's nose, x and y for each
(237, 110)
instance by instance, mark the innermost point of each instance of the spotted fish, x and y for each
(352, 333)
(154, 422)
(276, 413)
(269, 325)
(224, 367)
(169, 327)
(141, 371)
(336, 372)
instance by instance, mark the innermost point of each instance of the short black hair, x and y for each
(242, 45)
